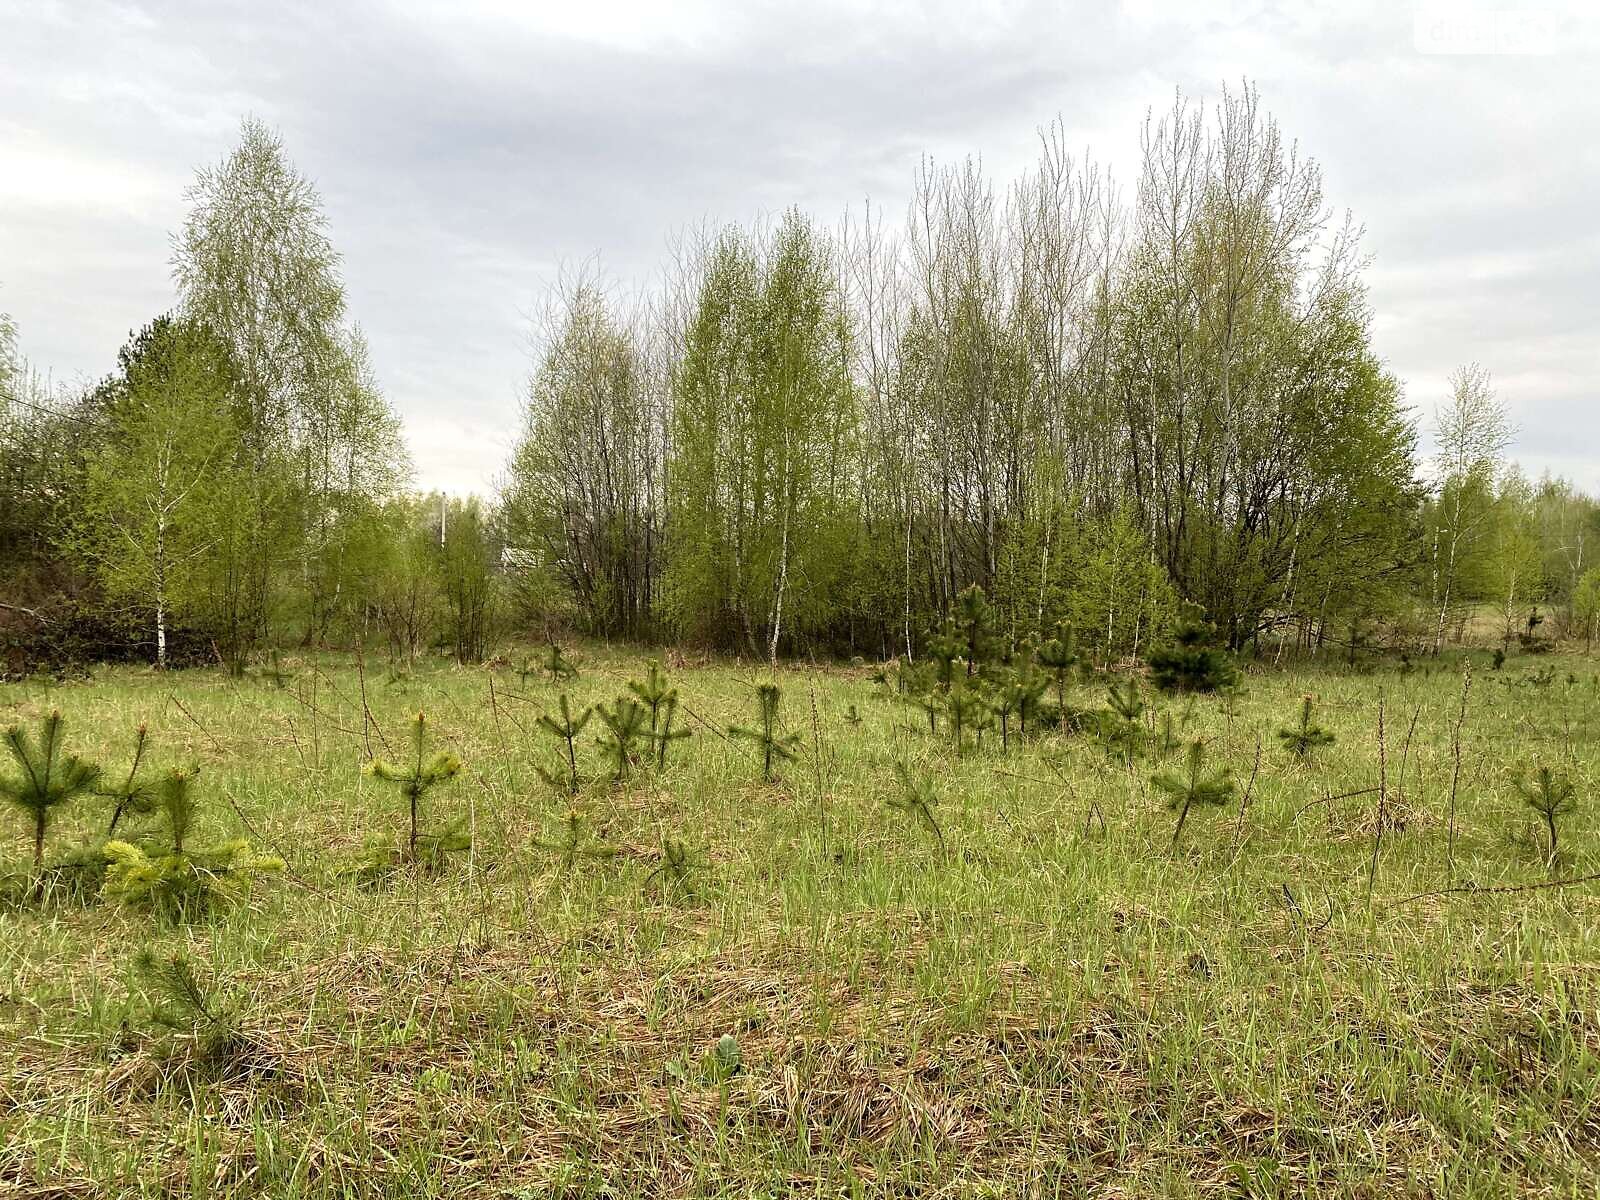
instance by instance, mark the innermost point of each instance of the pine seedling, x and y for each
(1194, 662)
(47, 778)
(133, 796)
(181, 882)
(672, 877)
(852, 718)
(567, 729)
(1126, 706)
(557, 665)
(184, 1005)
(1550, 795)
(415, 779)
(1030, 685)
(917, 800)
(626, 725)
(1004, 701)
(1059, 656)
(975, 617)
(667, 734)
(1194, 787)
(572, 843)
(945, 647)
(1167, 740)
(662, 703)
(1302, 739)
(966, 709)
(775, 746)
(653, 693)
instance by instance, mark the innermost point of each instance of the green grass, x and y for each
(1056, 1002)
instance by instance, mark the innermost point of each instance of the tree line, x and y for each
(813, 440)
(1094, 403)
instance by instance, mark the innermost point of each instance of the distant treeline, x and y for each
(1094, 403)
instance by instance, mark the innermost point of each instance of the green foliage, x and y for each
(967, 710)
(673, 876)
(1015, 692)
(1059, 656)
(666, 735)
(1305, 737)
(557, 665)
(467, 559)
(159, 492)
(662, 702)
(945, 647)
(653, 692)
(1586, 606)
(1122, 730)
(47, 776)
(185, 1005)
(133, 796)
(1195, 786)
(423, 772)
(627, 727)
(572, 843)
(567, 729)
(776, 746)
(974, 617)
(917, 800)
(765, 412)
(173, 879)
(1551, 795)
(1194, 662)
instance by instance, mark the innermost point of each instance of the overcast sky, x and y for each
(466, 151)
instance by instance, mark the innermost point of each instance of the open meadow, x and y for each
(995, 975)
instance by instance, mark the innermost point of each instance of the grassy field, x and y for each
(1055, 1001)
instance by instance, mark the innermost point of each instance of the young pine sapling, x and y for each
(975, 619)
(1058, 656)
(1194, 786)
(666, 735)
(1551, 796)
(1302, 739)
(572, 843)
(776, 746)
(567, 729)
(966, 709)
(1194, 662)
(47, 778)
(627, 725)
(672, 876)
(945, 648)
(133, 796)
(917, 800)
(177, 880)
(662, 703)
(557, 665)
(415, 779)
(1123, 731)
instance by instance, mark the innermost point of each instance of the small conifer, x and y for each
(567, 729)
(1195, 786)
(47, 777)
(1301, 739)
(626, 723)
(1551, 796)
(415, 779)
(776, 746)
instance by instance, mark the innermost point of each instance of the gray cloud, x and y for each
(466, 152)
